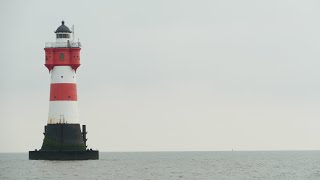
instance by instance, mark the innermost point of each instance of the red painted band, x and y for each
(63, 92)
(62, 57)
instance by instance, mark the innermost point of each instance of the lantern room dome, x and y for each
(63, 29)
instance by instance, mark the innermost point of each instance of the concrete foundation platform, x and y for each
(64, 155)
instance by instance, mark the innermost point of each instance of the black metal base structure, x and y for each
(64, 155)
(64, 142)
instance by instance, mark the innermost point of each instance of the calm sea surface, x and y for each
(169, 165)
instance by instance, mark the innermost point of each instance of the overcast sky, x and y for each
(169, 75)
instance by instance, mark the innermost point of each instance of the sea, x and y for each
(169, 165)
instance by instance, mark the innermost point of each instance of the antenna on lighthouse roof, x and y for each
(72, 33)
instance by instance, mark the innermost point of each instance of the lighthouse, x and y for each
(63, 137)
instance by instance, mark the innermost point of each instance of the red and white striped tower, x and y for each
(62, 60)
(63, 137)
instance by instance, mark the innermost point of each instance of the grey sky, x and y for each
(169, 74)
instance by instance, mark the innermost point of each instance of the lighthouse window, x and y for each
(61, 56)
(63, 35)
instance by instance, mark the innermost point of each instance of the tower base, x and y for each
(64, 142)
(64, 155)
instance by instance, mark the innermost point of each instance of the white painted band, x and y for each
(63, 74)
(63, 112)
